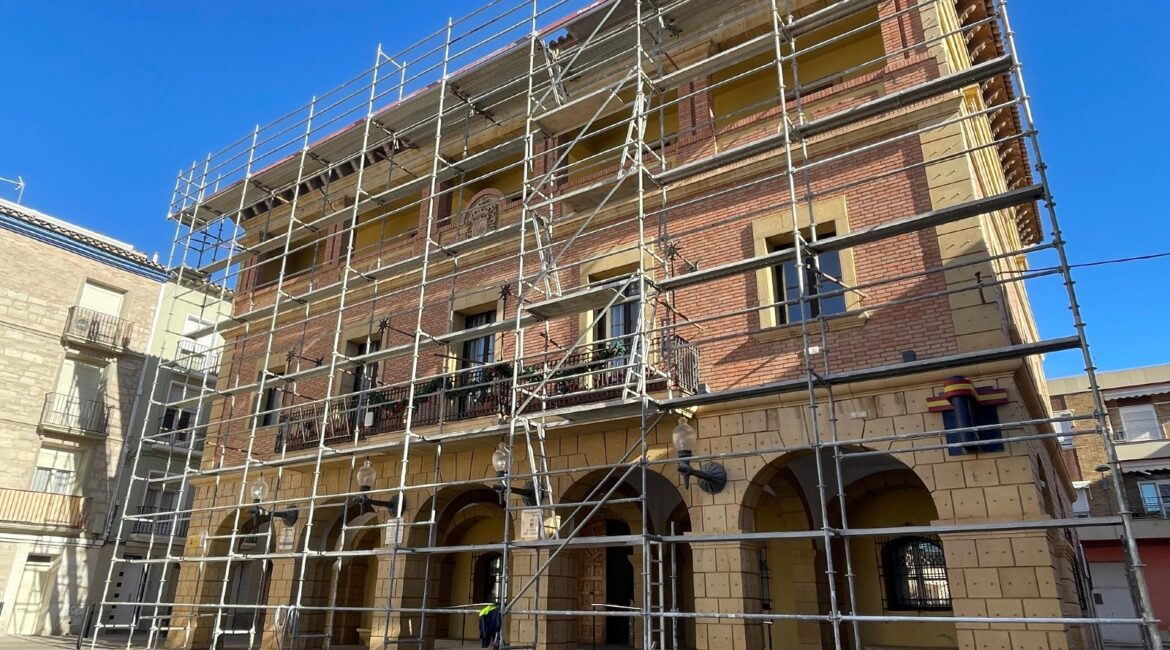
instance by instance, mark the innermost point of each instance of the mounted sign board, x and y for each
(286, 540)
(394, 533)
(534, 526)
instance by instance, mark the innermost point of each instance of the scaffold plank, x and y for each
(601, 102)
(880, 372)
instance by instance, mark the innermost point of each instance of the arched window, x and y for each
(916, 574)
(487, 577)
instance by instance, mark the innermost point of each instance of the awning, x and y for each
(1139, 391)
(1139, 466)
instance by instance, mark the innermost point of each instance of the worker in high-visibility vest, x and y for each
(489, 627)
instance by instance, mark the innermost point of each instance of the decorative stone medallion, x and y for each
(481, 217)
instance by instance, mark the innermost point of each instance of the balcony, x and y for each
(594, 375)
(196, 358)
(176, 434)
(160, 525)
(67, 414)
(98, 330)
(42, 509)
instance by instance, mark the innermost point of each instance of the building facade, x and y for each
(687, 326)
(183, 358)
(89, 360)
(76, 309)
(1137, 404)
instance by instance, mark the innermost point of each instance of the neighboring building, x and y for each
(82, 336)
(185, 356)
(75, 315)
(397, 348)
(1137, 402)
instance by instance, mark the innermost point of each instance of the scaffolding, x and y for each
(614, 128)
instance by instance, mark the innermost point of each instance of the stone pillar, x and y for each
(1014, 574)
(282, 591)
(696, 126)
(1024, 573)
(901, 32)
(403, 591)
(727, 580)
(559, 589)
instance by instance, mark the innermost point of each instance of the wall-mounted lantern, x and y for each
(259, 492)
(500, 463)
(366, 475)
(712, 476)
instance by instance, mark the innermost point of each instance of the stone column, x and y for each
(727, 580)
(1024, 573)
(559, 589)
(397, 628)
(282, 591)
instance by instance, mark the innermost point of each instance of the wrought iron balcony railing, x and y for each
(72, 414)
(596, 374)
(98, 329)
(176, 429)
(42, 509)
(196, 357)
(161, 525)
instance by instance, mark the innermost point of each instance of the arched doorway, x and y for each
(356, 584)
(891, 574)
(609, 577)
(789, 571)
(242, 583)
(470, 520)
(896, 573)
(339, 592)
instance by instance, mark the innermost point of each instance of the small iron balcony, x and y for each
(98, 330)
(160, 525)
(69, 414)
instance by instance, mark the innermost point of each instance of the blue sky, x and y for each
(104, 102)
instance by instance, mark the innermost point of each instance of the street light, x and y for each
(500, 463)
(712, 476)
(365, 478)
(259, 492)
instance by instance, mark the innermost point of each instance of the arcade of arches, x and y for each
(442, 568)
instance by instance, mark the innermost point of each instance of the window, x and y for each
(614, 331)
(1155, 497)
(272, 399)
(474, 356)
(159, 496)
(196, 354)
(481, 350)
(620, 323)
(178, 420)
(1064, 430)
(100, 299)
(487, 577)
(788, 287)
(765, 581)
(56, 471)
(916, 574)
(1080, 506)
(364, 375)
(1139, 422)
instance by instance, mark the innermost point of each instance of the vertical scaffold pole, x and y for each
(1134, 566)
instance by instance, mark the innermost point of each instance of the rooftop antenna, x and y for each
(19, 183)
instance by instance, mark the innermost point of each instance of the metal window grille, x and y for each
(915, 574)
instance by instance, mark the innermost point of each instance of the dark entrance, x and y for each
(619, 584)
